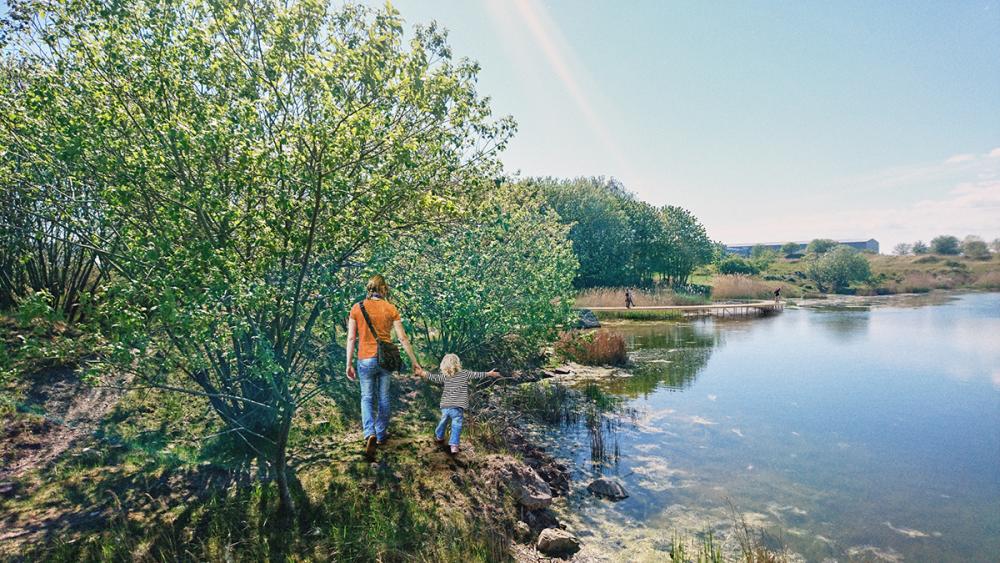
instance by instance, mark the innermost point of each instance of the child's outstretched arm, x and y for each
(485, 374)
(435, 377)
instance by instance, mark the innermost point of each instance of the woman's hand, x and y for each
(420, 372)
(350, 373)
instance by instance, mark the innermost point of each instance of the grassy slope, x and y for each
(140, 486)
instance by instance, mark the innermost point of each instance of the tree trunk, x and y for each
(286, 504)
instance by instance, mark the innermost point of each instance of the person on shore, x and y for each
(777, 294)
(629, 302)
(454, 397)
(370, 323)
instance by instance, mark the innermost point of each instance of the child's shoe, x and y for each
(454, 450)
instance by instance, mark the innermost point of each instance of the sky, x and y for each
(771, 121)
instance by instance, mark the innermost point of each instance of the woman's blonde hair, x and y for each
(377, 285)
(450, 365)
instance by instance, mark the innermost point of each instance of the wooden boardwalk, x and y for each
(747, 309)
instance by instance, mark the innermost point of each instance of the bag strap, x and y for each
(368, 320)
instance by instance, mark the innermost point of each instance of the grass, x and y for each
(742, 287)
(641, 315)
(145, 490)
(601, 348)
(615, 297)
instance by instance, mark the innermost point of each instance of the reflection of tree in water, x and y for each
(844, 324)
(666, 355)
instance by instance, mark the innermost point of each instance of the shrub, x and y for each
(601, 348)
(913, 282)
(945, 244)
(838, 268)
(975, 248)
(927, 260)
(734, 265)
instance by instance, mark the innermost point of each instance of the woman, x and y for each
(374, 379)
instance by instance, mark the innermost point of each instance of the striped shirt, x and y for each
(456, 387)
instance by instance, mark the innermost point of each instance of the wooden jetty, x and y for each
(736, 309)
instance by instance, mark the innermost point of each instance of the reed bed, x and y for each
(741, 286)
(615, 297)
(601, 348)
(988, 280)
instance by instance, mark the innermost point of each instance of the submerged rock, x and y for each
(609, 488)
(555, 542)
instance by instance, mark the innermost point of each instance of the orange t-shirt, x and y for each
(383, 314)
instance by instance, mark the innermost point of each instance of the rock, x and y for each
(555, 542)
(530, 490)
(587, 319)
(522, 532)
(608, 488)
(538, 520)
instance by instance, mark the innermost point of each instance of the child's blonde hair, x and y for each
(450, 365)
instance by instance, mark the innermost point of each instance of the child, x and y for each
(455, 397)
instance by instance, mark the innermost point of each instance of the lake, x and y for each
(868, 430)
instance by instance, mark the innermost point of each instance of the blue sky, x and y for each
(769, 120)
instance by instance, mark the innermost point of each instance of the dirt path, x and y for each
(68, 411)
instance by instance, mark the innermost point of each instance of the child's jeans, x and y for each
(455, 414)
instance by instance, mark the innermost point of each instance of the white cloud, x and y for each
(995, 153)
(959, 158)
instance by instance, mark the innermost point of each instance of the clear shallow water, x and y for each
(854, 433)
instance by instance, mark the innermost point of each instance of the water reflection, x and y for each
(666, 355)
(854, 432)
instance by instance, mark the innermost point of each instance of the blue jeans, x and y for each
(455, 414)
(374, 383)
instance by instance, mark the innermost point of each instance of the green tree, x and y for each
(920, 247)
(790, 249)
(838, 268)
(469, 289)
(600, 228)
(248, 165)
(975, 248)
(762, 256)
(902, 249)
(685, 245)
(945, 244)
(735, 265)
(821, 245)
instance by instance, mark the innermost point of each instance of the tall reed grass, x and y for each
(741, 286)
(601, 348)
(615, 297)
(988, 280)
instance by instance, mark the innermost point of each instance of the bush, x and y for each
(601, 348)
(945, 244)
(838, 268)
(734, 265)
(975, 248)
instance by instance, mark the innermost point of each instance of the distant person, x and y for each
(371, 321)
(777, 295)
(629, 302)
(454, 398)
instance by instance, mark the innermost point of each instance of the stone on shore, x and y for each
(523, 482)
(555, 542)
(609, 488)
(587, 319)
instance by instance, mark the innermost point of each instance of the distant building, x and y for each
(870, 245)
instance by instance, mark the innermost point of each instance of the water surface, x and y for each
(865, 432)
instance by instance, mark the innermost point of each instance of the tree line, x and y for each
(620, 240)
(971, 247)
